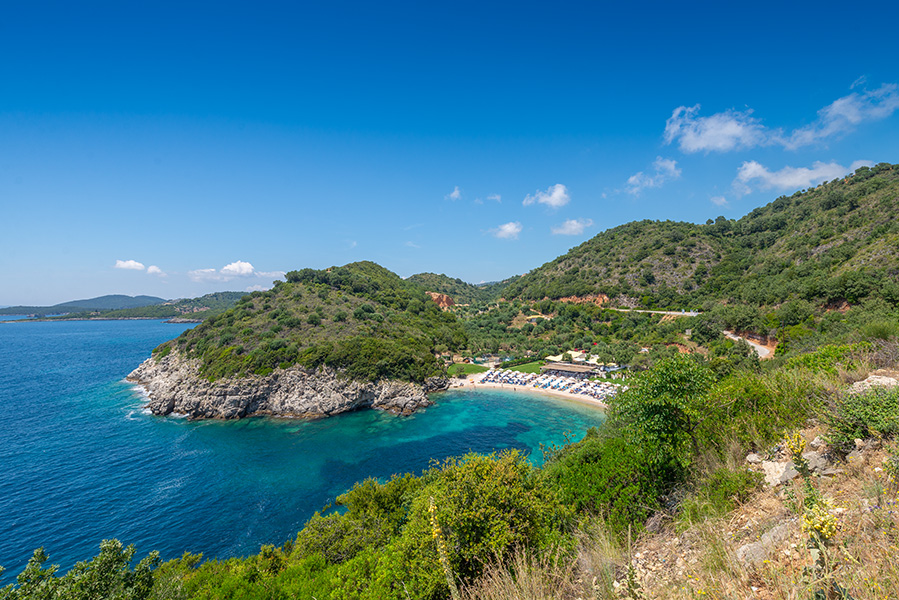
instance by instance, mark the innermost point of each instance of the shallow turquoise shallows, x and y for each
(81, 461)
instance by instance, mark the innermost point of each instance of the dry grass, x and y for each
(862, 559)
(524, 577)
(701, 562)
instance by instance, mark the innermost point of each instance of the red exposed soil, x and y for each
(442, 300)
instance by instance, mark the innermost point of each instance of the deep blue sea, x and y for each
(81, 461)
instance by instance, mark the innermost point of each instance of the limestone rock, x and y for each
(777, 473)
(753, 458)
(872, 381)
(816, 461)
(174, 385)
(756, 552)
(816, 443)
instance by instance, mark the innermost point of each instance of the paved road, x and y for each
(676, 313)
(759, 349)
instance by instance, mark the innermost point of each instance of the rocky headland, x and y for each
(174, 385)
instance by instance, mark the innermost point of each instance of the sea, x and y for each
(82, 460)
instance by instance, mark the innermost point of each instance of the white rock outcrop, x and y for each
(174, 385)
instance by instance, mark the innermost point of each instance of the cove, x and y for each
(81, 461)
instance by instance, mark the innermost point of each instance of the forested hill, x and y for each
(360, 318)
(110, 302)
(460, 291)
(838, 241)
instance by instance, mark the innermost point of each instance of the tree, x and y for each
(662, 409)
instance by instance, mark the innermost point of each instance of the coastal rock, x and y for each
(753, 459)
(174, 385)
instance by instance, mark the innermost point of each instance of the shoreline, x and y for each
(474, 383)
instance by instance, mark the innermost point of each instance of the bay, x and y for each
(82, 461)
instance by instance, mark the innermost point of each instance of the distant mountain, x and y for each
(109, 302)
(460, 291)
(836, 242)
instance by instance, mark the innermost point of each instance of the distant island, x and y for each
(120, 307)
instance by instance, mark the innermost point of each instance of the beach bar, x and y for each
(558, 369)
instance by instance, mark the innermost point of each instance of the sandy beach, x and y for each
(473, 382)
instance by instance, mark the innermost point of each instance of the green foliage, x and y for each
(108, 575)
(719, 494)
(307, 321)
(375, 512)
(831, 243)
(662, 409)
(608, 476)
(830, 358)
(458, 290)
(874, 413)
(487, 507)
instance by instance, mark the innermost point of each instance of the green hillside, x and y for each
(460, 291)
(835, 242)
(360, 318)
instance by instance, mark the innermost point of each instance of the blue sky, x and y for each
(175, 149)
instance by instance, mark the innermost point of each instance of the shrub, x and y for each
(605, 476)
(874, 413)
(662, 409)
(486, 506)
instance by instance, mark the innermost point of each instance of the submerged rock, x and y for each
(174, 385)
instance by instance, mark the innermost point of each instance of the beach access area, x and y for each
(580, 390)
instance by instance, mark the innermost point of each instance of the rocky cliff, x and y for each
(174, 385)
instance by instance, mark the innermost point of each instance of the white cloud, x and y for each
(860, 81)
(453, 195)
(572, 227)
(844, 114)
(204, 275)
(238, 269)
(507, 231)
(131, 265)
(720, 132)
(231, 271)
(719, 200)
(790, 178)
(496, 197)
(735, 130)
(258, 288)
(154, 270)
(412, 245)
(555, 196)
(664, 169)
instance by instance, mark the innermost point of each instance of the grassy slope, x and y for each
(836, 241)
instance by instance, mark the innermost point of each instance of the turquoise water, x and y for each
(81, 461)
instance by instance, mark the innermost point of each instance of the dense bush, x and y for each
(605, 475)
(874, 413)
